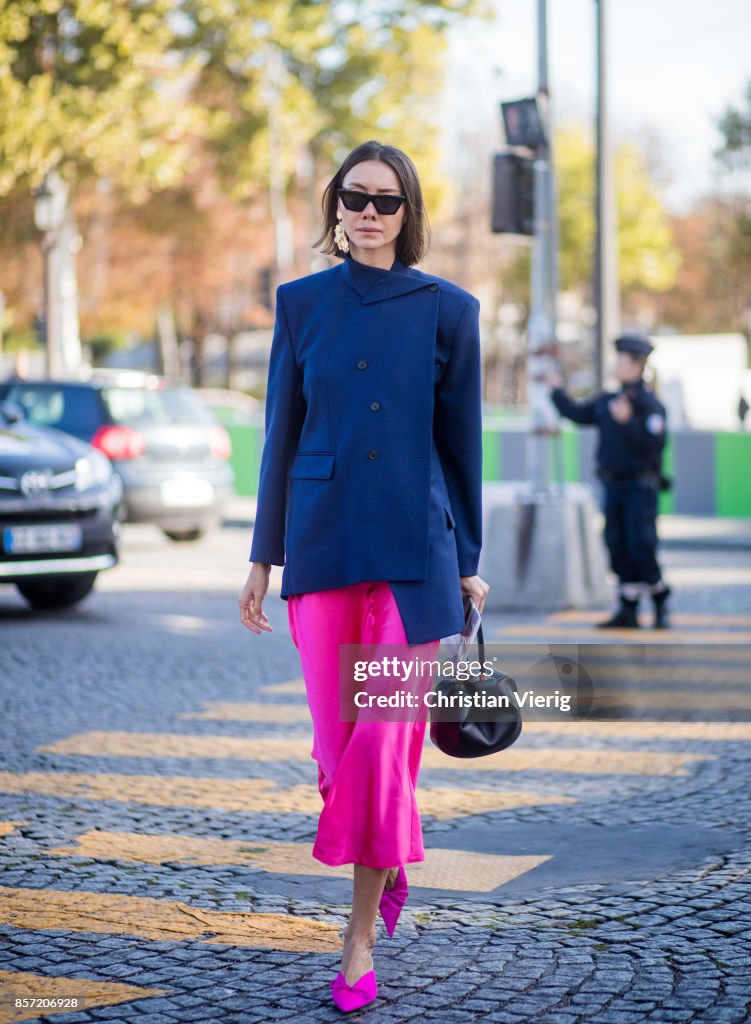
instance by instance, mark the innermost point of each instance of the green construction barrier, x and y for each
(491, 444)
(570, 442)
(732, 459)
(666, 500)
(732, 483)
(247, 445)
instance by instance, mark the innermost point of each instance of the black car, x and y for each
(166, 445)
(58, 512)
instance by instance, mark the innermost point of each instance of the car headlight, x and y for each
(92, 470)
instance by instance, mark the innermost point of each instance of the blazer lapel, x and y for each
(376, 285)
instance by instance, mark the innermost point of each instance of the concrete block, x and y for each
(542, 552)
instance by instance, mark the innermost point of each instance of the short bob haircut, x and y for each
(414, 238)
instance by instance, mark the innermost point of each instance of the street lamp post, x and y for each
(49, 213)
(542, 550)
(606, 299)
(283, 235)
(60, 241)
(542, 328)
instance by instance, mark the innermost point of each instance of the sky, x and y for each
(673, 66)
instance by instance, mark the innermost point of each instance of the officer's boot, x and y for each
(625, 617)
(660, 601)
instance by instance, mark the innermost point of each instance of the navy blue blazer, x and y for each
(372, 462)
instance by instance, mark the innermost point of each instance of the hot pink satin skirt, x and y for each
(367, 769)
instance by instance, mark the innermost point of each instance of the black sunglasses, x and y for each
(357, 201)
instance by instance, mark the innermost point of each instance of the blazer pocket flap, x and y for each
(313, 465)
(449, 517)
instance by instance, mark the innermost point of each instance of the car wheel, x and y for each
(180, 535)
(57, 591)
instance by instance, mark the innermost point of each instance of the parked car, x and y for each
(58, 512)
(169, 450)
(232, 408)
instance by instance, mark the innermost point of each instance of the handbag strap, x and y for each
(480, 644)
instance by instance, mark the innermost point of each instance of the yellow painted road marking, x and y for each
(24, 985)
(727, 731)
(7, 827)
(613, 651)
(247, 711)
(161, 920)
(667, 730)
(636, 672)
(444, 804)
(469, 872)
(441, 869)
(644, 636)
(251, 795)
(135, 744)
(291, 686)
(680, 700)
(575, 728)
(246, 795)
(640, 670)
(683, 618)
(574, 760)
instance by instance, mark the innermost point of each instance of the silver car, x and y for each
(167, 447)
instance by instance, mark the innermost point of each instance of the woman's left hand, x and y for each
(476, 588)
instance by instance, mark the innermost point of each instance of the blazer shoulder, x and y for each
(310, 286)
(454, 299)
(455, 294)
(454, 302)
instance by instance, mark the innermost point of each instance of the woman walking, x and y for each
(370, 497)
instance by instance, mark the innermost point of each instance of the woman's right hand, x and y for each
(251, 598)
(476, 588)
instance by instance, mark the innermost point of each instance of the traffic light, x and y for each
(266, 287)
(40, 328)
(523, 124)
(513, 194)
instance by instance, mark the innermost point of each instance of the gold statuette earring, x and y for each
(340, 238)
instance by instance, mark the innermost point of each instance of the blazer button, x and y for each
(434, 287)
(373, 454)
(375, 406)
(362, 364)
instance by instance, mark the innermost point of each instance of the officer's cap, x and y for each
(634, 342)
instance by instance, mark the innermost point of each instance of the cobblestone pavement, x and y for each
(158, 805)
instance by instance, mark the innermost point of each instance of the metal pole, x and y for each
(541, 326)
(53, 196)
(283, 241)
(52, 320)
(605, 291)
(599, 133)
(70, 338)
(551, 253)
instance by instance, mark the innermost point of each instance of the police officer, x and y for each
(632, 430)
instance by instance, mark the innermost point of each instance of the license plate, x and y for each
(19, 540)
(187, 491)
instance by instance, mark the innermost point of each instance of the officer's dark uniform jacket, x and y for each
(372, 463)
(625, 450)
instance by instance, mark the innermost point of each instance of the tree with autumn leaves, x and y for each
(718, 234)
(156, 113)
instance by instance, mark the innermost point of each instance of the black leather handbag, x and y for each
(475, 731)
